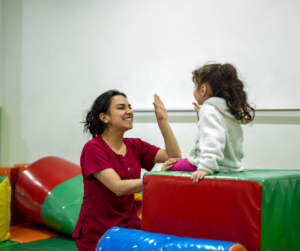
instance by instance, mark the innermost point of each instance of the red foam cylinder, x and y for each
(37, 181)
(13, 174)
(228, 210)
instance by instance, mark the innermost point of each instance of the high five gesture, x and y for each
(160, 110)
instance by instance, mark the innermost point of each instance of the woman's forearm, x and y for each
(171, 144)
(114, 183)
(125, 187)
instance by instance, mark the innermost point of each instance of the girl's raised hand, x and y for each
(160, 110)
(199, 174)
(197, 109)
(169, 164)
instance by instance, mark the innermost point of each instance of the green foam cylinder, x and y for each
(60, 210)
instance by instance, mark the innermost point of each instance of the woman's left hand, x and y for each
(169, 164)
(160, 110)
(199, 174)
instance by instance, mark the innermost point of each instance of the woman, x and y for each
(111, 166)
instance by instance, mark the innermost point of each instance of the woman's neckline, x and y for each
(112, 149)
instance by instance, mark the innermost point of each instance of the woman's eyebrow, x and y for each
(122, 104)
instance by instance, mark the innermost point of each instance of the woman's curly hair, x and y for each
(224, 83)
(93, 124)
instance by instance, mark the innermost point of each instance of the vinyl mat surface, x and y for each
(52, 244)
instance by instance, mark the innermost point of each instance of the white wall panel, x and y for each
(60, 55)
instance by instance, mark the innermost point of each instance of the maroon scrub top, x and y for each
(102, 209)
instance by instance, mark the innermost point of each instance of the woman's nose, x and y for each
(129, 111)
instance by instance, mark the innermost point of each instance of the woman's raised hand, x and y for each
(169, 164)
(160, 110)
(197, 109)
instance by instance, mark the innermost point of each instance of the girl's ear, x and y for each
(203, 90)
(102, 117)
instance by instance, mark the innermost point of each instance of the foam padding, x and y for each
(123, 239)
(228, 210)
(21, 166)
(37, 181)
(29, 232)
(8, 244)
(53, 244)
(280, 229)
(13, 174)
(50, 192)
(61, 208)
(138, 200)
(257, 208)
(5, 198)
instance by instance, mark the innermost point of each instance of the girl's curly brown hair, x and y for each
(224, 83)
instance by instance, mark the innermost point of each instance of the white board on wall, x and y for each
(147, 47)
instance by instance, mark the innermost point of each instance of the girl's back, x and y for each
(220, 138)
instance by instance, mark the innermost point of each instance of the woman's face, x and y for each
(120, 114)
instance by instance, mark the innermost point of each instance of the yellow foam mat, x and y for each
(5, 199)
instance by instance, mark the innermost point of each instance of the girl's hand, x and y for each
(199, 174)
(197, 109)
(160, 110)
(169, 164)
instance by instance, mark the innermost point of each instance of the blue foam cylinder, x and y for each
(123, 239)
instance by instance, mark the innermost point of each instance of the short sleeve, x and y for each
(94, 159)
(146, 152)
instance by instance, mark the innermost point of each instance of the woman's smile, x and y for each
(128, 119)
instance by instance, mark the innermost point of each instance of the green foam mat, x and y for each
(55, 244)
(7, 244)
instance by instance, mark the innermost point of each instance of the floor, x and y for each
(52, 244)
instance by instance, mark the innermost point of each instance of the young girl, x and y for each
(219, 143)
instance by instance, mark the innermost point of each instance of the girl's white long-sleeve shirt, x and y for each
(218, 146)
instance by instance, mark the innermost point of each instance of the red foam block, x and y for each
(228, 210)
